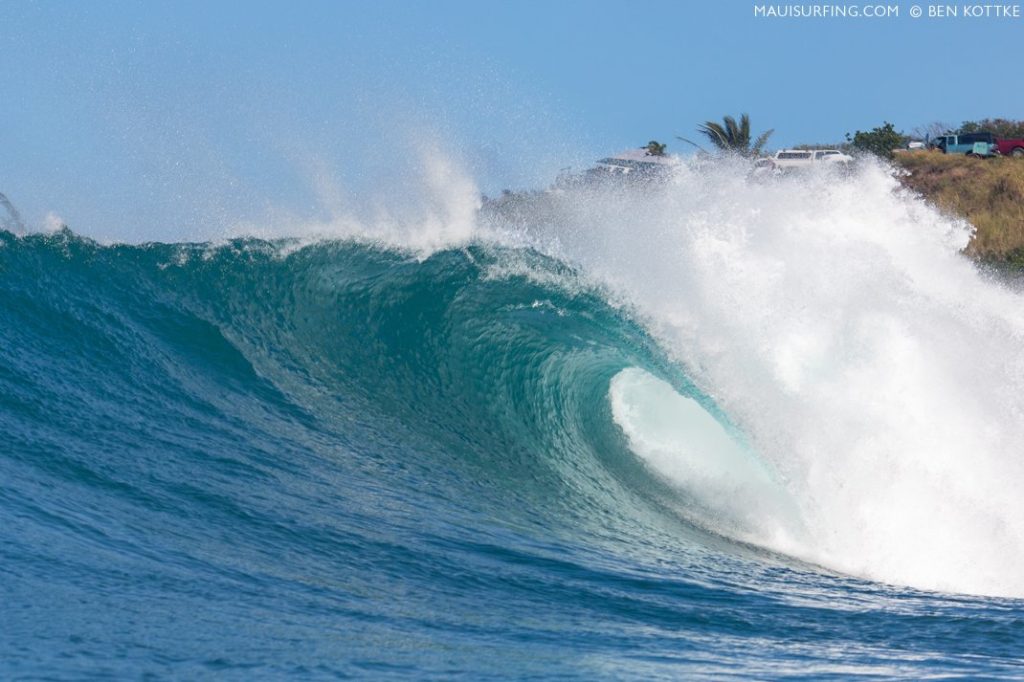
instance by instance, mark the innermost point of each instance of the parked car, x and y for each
(971, 144)
(1014, 148)
(802, 158)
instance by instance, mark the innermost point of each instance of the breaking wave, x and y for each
(605, 399)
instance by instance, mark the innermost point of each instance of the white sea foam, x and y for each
(871, 366)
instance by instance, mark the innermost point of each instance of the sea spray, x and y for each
(430, 204)
(833, 318)
(12, 220)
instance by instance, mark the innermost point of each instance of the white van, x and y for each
(802, 158)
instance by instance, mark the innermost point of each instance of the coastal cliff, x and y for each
(988, 193)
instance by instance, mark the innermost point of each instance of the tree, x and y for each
(926, 133)
(880, 141)
(1000, 127)
(655, 148)
(731, 137)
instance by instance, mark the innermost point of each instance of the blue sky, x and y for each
(140, 120)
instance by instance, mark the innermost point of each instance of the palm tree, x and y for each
(731, 137)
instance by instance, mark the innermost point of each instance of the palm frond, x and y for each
(759, 143)
(733, 136)
(716, 133)
(692, 142)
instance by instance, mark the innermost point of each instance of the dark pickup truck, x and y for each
(978, 144)
(1014, 148)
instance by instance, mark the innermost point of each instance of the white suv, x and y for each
(802, 158)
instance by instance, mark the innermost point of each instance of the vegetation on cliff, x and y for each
(880, 141)
(988, 193)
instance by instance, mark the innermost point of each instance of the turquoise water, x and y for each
(264, 459)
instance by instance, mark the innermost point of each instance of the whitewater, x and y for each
(711, 425)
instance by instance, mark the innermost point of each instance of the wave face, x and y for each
(711, 428)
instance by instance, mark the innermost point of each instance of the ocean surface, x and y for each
(708, 429)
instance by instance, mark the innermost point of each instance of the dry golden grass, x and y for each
(988, 193)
